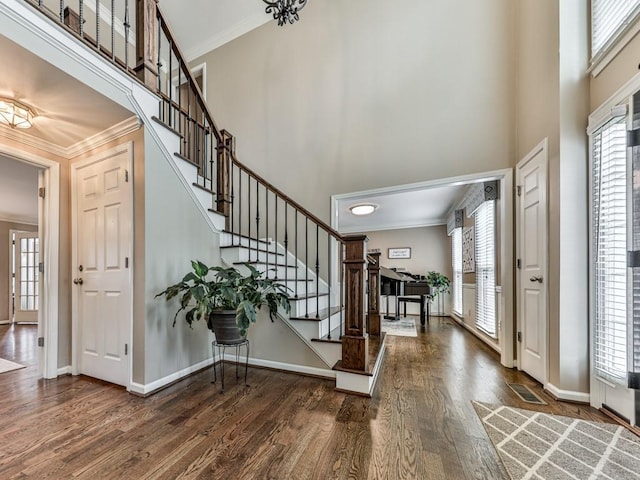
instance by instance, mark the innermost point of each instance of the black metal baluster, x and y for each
(317, 271)
(240, 201)
(296, 245)
(257, 216)
(266, 225)
(233, 204)
(40, 3)
(275, 257)
(81, 15)
(306, 266)
(158, 65)
(98, 24)
(170, 89)
(179, 126)
(127, 26)
(249, 212)
(187, 118)
(341, 263)
(62, 11)
(211, 157)
(329, 282)
(113, 30)
(286, 243)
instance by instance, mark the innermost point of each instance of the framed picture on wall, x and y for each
(468, 250)
(403, 252)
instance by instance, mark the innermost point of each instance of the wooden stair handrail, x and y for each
(187, 71)
(331, 231)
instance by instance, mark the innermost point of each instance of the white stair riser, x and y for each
(316, 329)
(241, 254)
(301, 306)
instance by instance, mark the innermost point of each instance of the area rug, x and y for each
(540, 446)
(403, 327)
(7, 366)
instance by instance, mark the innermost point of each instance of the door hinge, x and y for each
(41, 267)
(126, 262)
(126, 349)
(518, 264)
(519, 336)
(126, 175)
(41, 341)
(41, 192)
(519, 190)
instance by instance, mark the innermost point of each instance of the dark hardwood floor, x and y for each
(419, 425)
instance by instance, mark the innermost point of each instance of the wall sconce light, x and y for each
(15, 114)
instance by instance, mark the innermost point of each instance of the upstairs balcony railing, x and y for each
(294, 244)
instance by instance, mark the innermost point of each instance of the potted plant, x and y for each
(438, 283)
(227, 299)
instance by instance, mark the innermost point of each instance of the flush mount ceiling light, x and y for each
(15, 114)
(363, 209)
(285, 11)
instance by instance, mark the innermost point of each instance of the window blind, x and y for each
(456, 262)
(485, 268)
(608, 20)
(635, 314)
(609, 213)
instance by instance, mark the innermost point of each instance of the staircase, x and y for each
(334, 285)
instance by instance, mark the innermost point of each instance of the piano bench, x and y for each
(424, 306)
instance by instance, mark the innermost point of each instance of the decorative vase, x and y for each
(223, 324)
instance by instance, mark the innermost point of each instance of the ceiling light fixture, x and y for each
(363, 209)
(285, 11)
(15, 114)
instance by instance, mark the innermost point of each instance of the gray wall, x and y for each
(360, 94)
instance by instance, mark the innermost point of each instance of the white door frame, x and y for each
(75, 353)
(543, 148)
(49, 230)
(505, 308)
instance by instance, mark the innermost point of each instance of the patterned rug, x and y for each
(540, 446)
(7, 365)
(403, 327)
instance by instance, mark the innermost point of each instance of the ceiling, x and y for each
(208, 24)
(399, 207)
(18, 191)
(66, 109)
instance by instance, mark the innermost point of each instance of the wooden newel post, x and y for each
(355, 342)
(374, 294)
(226, 148)
(146, 42)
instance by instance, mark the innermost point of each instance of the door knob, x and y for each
(77, 281)
(536, 279)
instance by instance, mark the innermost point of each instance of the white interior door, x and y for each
(27, 279)
(531, 221)
(101, 267)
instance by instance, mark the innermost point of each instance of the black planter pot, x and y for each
(223, 324)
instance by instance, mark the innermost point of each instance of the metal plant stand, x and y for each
(221, 350)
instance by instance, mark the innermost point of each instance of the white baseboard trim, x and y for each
(568, 395)
(64, 370)
(288, 367)
(148, 388)
(5, 322)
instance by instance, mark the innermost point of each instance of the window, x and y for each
(609, 236)
(456, 262)
(609, 18)
(485, 268)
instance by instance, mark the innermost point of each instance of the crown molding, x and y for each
(112, 133)
(231, 33)
(8, 218)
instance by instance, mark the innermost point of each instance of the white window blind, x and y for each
(608, 19)
(485, 268)
(609, 233)
(456, 262)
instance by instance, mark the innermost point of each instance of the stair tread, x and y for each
(261, 250)
(335, 337)
(165, 125)
(208, 190)
(248, 238)
(376, 345)
(309, 296)
(270, 264)
(319, 315)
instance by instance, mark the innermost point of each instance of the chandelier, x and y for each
(15, 114)
(285, 11)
